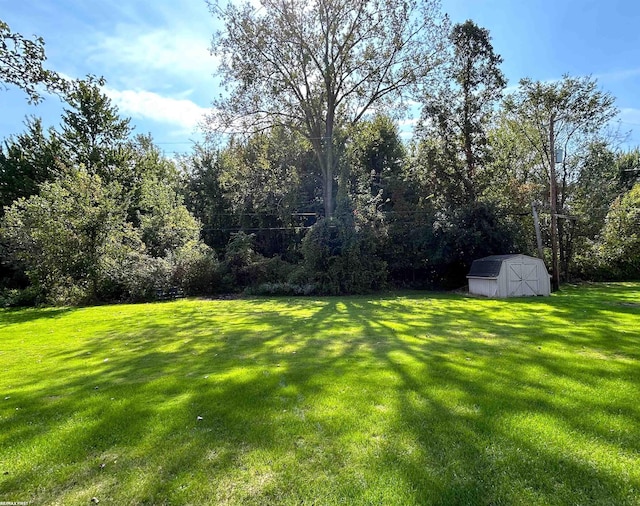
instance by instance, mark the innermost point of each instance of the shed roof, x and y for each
(488, 267)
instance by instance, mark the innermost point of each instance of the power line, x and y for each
(177, 142)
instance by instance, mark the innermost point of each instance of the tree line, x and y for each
(305, 184)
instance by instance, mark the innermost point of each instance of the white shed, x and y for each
(509, 276)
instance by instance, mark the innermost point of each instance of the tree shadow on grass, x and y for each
(25, 315)
(430, 399)
(471, 443)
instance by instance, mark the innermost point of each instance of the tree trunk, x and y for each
(536, 224)
(553, 198)
(329, 158)
(328, 189)
(468, 145)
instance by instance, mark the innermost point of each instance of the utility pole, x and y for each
(553, 197)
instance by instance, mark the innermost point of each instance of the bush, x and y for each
(136, 277)
(282, 288)
(196, 269)
(339, 259)
(240, 261)
(27, 297)
(244, 267)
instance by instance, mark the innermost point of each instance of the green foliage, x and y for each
(575, 113)
(267, 182)
(468, 233)
(118, 221)
(27, 160)
(580, 111)
(245, 268)
(63, 235)
(372, 165)
(93, 133)
(629, 169)
(21, 65)
(143, 165)
(20, 297)
(204, 194)
(260, 175)
(618, 247)
(409, 250)
(442, 172)
(241, 260)
(282, 288)
(99, 215)
(455, 120)
(342, 259)
(597, 186)
(319, 67)
(196, 269)
(165, 223)
(134, 276)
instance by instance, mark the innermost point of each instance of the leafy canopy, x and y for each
(21, 65)
(321, 65)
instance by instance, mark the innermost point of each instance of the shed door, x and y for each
(522, 279)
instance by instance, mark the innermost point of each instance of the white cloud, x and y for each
(142, 104)
(177, 54)
(630, 116)
(619, 75)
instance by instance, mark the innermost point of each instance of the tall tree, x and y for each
(204, 194)
(596, 187)
(567, 114)
(26, 161)
(93, 132)
(260, 176)
(459, 115)
(21, 64)
(321, 66)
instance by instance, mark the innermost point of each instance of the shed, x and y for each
(509, 276)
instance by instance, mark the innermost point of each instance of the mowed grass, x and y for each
(409, 399)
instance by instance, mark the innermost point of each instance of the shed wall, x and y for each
(484, 286)
(524, 276)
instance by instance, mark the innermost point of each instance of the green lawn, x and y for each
(410, 399)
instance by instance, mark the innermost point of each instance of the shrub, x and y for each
(196, 269)
(340, 259)
(136, 277)
(282, 288)
(14, 297)
(244, 267)
(240, 260)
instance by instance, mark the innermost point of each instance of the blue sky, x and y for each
(154, 54)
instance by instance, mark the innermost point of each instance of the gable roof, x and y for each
(485, 269)
(488, 267)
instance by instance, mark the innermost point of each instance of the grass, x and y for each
(409, 399)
